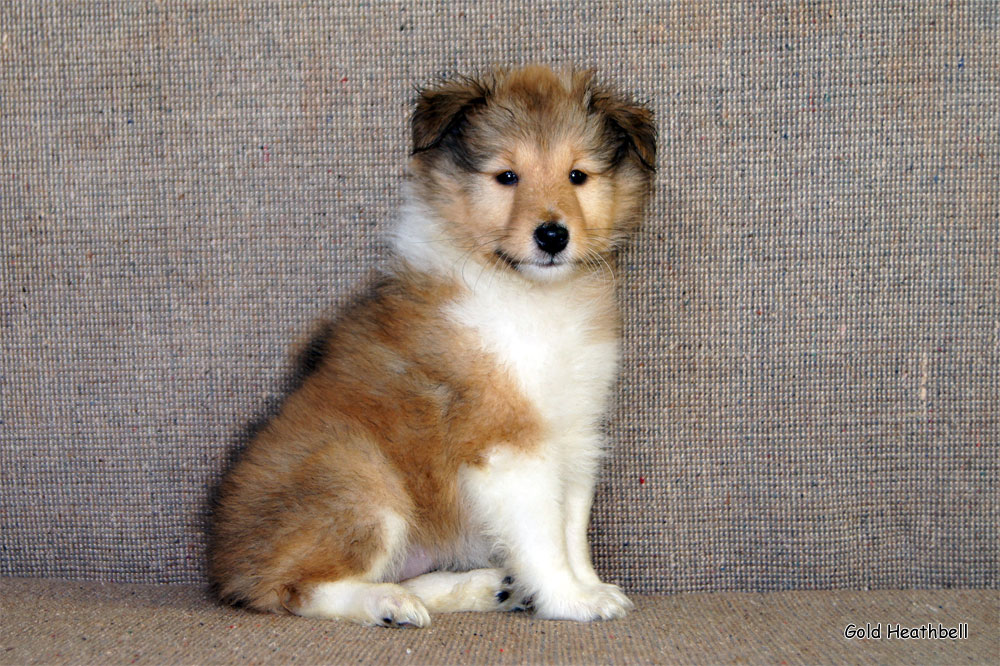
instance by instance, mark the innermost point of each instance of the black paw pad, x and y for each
(503, 595)
(527, 604)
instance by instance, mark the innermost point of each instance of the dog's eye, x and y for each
(507, 178)
(577, 177)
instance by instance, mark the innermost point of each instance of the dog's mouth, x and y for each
(518, 264)
(548, 269)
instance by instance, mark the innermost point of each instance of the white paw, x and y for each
(476, 590)
(392, 606)
(487, 590)
(599, 601)
(615, 593)
(510, 597)
(505, 594)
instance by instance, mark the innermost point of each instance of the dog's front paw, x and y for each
(615, 592)
(584, 603)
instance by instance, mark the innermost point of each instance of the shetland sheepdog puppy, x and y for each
(441, 455)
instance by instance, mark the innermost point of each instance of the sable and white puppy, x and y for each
(442, 454)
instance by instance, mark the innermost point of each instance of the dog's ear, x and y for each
(629, 124)
(442, 111)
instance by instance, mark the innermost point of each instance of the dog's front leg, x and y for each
(580, 474)
(579, 495)
(519, 497)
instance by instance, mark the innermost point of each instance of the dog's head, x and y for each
(531, 170)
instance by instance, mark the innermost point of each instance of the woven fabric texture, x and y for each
(809, 396)
(58, 622)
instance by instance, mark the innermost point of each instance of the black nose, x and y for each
(552, 237)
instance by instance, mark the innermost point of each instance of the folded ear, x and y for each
(629, 124)
(442, 111)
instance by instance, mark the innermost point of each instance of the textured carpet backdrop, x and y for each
(810, 392)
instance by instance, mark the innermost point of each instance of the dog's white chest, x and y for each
(549, 345)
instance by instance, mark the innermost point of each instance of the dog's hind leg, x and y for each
(384, 604)
(361, 598)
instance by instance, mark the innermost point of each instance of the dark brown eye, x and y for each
(507, 178)
(577, 177)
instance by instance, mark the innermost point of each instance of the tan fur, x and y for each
(402, 397)
(396, 406)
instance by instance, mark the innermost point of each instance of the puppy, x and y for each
(441, 456)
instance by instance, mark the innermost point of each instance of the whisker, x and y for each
(598, 263)
(493, 238)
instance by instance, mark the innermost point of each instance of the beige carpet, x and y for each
(60, 622)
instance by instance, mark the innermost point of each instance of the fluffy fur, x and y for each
(442, 454)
